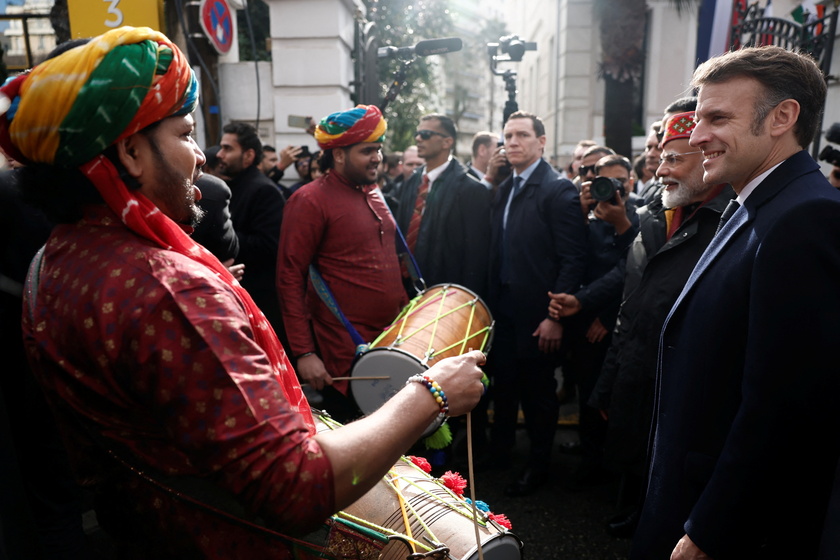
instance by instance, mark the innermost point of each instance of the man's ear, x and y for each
(784, 117)
(129, 151)
(248, 157)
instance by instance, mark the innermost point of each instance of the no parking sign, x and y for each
(217, 23)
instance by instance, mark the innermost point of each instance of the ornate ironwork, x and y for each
(751, 29)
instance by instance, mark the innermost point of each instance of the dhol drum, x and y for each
(422, 518)
(444, 320)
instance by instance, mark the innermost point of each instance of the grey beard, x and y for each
(681, 196)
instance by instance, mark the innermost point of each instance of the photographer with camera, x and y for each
(609, 203)
(586, 169)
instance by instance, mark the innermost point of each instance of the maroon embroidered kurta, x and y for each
(349, 235)
(156, 354)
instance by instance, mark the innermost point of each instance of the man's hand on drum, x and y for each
(311, 370)
(550, 334)
(460, 378)
(362, 451)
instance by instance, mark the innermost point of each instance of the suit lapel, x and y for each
(738, 221)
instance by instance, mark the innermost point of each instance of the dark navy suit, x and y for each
(747, 428)
(545, 247)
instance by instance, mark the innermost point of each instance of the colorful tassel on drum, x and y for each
(440, 438)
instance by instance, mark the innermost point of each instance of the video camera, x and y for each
(603, 189)
(512, 46)
(829, 153)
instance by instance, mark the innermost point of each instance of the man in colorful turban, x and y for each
(340, 224)
(179, 402)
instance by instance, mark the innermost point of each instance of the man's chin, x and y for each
(196, 215)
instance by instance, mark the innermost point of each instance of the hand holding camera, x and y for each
(498, 168)
(605, 198)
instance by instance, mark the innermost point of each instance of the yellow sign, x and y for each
(89, 18)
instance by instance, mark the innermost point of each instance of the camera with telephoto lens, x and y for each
(829, 153)
(603, 189)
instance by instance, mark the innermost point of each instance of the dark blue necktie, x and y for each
(505, 268)
(731, 208)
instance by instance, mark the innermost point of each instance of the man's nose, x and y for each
(699, 135)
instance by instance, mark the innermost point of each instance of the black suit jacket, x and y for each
(748, 388)
(215, 231)
(454, 237)
(546, 244)
(256, 209)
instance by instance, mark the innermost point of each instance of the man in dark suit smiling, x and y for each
(745, 443)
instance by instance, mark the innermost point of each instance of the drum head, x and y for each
(504, 546)
(395, 364)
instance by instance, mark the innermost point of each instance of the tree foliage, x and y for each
(402, 23)
(254, 18)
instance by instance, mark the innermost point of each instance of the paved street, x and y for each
(557, 523)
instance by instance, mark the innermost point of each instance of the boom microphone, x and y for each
(423, 48)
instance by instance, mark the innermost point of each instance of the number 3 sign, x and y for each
(89, 18)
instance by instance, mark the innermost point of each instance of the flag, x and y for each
(714, 25)
(808, 13)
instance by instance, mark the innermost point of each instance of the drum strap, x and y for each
(405, 253)
(327, 297)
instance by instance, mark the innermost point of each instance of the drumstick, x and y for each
(360, 378)
(471, 472)
(472, 485)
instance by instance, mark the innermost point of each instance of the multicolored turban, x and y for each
(678, 126)
(362, 124)
(70, 108)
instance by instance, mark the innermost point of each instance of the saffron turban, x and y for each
(70, 108)
(678, 126)
(364, 123)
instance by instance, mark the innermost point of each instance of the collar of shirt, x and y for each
(527, 173)
(343, 180)
(433, 174)
(477, 171)
(747, 191)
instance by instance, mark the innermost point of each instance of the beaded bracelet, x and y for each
(435, 389)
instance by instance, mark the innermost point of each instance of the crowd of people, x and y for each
(185, 298)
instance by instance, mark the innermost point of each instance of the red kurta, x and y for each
(156, 353)
(347, 232)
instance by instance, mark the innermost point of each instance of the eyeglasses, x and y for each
(672, 159)
(426, 134)
(585, 170)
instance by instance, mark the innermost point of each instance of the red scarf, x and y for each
(142, 217)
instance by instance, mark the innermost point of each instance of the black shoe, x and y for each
(623, 526)
(530, 480)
